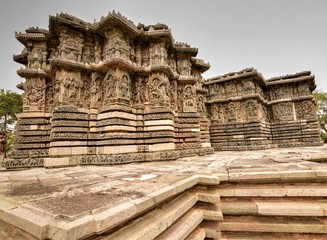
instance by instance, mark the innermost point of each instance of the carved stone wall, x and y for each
(250, 112)
(112, 92)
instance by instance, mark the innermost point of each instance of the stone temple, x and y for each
(112, 92)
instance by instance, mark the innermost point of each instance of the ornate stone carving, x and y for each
(308, 109)
(71, 45)
(97, 52)
(232, 111)
(37, 58)
(283, 111)
(158, 90)
(117, 85)
(304, 89)
(158, 53)
(184, 66)
(251, 109)
(49, 98)
(96, 90)
(117, 46)
(249, 87)
(173, 95)
(34, 94)
(189, 103)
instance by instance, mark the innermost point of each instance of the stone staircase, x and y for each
(282, 201)
(194, 214)
(288, 210)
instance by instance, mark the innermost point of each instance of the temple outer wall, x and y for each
(249, 112)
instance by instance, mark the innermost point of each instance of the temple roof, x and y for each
(289, 76)
(182, 47)
(296, 77)
(25, 37)
(234, 75)
(199, 63)
(70, 20)
(114, 19)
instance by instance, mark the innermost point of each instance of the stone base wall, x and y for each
(240, 136)
(32, 139)
(113, 135)
(296, 133)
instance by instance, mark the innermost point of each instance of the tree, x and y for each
(321, 100)
(11, 103)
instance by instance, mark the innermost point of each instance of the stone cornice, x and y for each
(25, 37)
(247, 72)
(28, 72)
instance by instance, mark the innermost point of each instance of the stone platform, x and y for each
(98, 201)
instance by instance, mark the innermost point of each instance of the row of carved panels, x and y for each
(113, 88)
(239, 88)
(71, 49)
(243, 111)
(114, 159)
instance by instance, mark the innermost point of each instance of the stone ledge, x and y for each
(45, 225)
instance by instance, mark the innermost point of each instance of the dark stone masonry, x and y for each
(112, 92)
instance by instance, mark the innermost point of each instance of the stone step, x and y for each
(178, 218)
(273, 190)
(197, 234)
(275, 236)
(210, 211)
(273, 224)
(212, 229)
(157, 221)
(275, 207)
(183, 227)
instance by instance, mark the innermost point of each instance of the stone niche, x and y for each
(112, 92)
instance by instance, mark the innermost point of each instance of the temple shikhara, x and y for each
(114, 92)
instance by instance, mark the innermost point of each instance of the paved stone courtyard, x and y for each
(74, 193)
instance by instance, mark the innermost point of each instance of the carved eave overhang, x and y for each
(115, 20)
(21, 58)
(162, 68)
(202, 90)
(28, 72)
(186, 79)
(159, 34)
(184, 48)
(248, 72)
(20, 86)
(200, 64)
(104, 67)
(25, 38)
(67, 64)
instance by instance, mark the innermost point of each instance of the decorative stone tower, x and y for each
(108, 92)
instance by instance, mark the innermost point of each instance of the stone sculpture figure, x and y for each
(189, 97)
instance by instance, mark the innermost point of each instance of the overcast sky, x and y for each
(276, 37)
